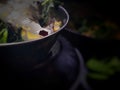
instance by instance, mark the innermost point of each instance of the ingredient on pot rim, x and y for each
(22, 20)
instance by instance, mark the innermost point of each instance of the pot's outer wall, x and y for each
(22, 57)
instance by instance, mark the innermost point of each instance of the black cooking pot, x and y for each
(23, 56)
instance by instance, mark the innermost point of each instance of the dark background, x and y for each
(91, 47)
(107, 7)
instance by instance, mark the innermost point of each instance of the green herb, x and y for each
(18, 35)
(14, 35)
(3, 32)
(99, 66)
(3, 35)
(9, 34)
(47, 5)
(98, 76)
(114, 63)
(103, 68)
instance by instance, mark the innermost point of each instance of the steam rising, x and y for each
(20, 14)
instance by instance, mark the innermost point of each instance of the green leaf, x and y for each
(45, 2)
(98, 76)
(3, 35)
(46, 7)
(114, 63)
(99, 66)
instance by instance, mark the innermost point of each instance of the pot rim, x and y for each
(26, 42)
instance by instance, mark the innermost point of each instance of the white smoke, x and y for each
(18, 13)
(15, 9)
